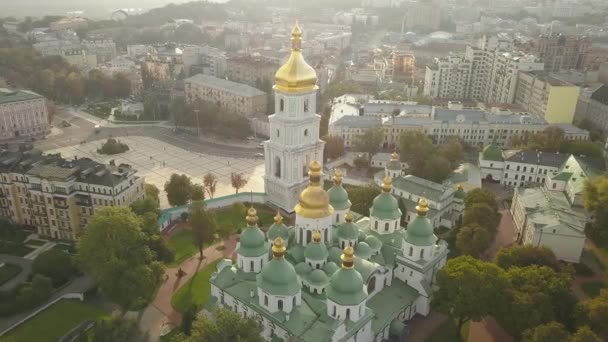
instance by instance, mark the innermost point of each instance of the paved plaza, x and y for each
(156, 161)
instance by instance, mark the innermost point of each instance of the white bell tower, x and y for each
(294, 129)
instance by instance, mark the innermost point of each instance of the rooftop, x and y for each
(548, 78)
(10, 96)
(225, 85)
(422, 187)
(538, 158)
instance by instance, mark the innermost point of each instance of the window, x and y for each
(305, 106)
(294, 301)
(280, 304)
(347, 313)
(334, 311)
(386, 227)
(337, 217)
(421, 253)
(277, 167)
(252, 266)
(554, 185)
(376, 225)
(306, 132)
(411, 251)
(278, 133)
(266, 300)
(281, 105)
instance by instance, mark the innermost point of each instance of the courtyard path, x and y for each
(26, 266)
(160, 313)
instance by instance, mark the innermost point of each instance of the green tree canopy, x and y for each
(369, 142)
(334, 146)
(151, 191)
(225, 326)
(527, 255)
(145, 205)
(116, 329)
(483, 215)
(178, 189)
(548, 332)
(55, 264)
(595, 311)
(595, 200)
(362, 197)
(480, 195)
(204, 225)
(585, 334)
(473, 240)
(114, 252)
(197, 192)
(437, 168)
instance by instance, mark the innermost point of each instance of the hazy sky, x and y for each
(92, 8)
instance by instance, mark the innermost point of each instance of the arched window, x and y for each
(337, 217)
(334, 311)
(371, 285)
(278, 133)
(280, 304)
(347, 313)
(252, 267)
(305, 106)
(281, 105)
(294, 302)
(396, 222)
(306, 132)
(386, 227)
(421, 253)
(376, 225)
(411, 251)
(308, 236)
(266, 300)
(277, 167)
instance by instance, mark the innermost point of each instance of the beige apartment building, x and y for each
(543, 94)
(23, 113)
(235, 97)
(58, 196)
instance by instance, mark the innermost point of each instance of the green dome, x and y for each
(460, 193)
(338, 197)
(363, 250)
(252, 242)
(420, 232)
(346, 287)
(303, 268)
(278, 230)
(330, 268)
(348, 231)
(318, 277)
(385, 207)
(374, 243)
(278, 277)
(492, 152)
(316, 251)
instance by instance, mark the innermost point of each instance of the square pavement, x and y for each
(156, 161)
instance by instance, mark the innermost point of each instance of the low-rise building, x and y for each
(593, 107)
(235, 97)
(23, 114)
(546, 95)
(545, 218)
(58, 196)
(257, 72)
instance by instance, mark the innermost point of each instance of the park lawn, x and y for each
(226, 217)
(195, 291)
(183, 244)
(51, 324)
(592, 288)
(447, 332)
(34, 242)
(8, 272)
(11, 248)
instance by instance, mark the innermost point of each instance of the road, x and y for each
(83, 129)
(26, 266)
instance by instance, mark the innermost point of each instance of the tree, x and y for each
(369, 142)
(453, 151)
(55, 264)
(197, 192)
(238, 181)
(145, 205)
(472, 239)
(595, 311)
(481, 195)
(468, 289)
(362, 197)
(437, 168)
(179, 108)
(582, 147)
(595, 200)
(121, 85)
(149, 223)
(527, 255)
(223, 326)
(483, 215)
(203, 225)
(210, 183)
(585, 334)
(114, 252)
(549, 332)
(415, 147)
(151, 191)
(334, 146)
(116, 329)
(178, 189)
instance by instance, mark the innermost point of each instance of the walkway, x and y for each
(423, 327)
(488, 331)
(505, 236)
(34, 254)
(160, 313)
(26, 266)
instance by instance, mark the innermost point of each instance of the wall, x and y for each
(561, 104)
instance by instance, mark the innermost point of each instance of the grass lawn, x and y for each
(195, 291)
(51, 324)
(70, 249)
(447, 332)
(8, 271)
(593, 288)
(35, 242)
(14, 248)
(183, 244)
(225, 216)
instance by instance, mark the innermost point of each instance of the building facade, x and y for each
(593, 106)
(561, 52)
(404, 67)
(58, 196)
(236, 97)
(253, 71)
(23, 114)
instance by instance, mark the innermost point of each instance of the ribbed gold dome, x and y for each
(314, 200)
(295, 76)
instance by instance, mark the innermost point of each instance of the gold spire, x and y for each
(252, 217)
(316, 236)
(388, 184)
(314, 200)
(337, 177)
(348, 258)
(278, 248)
(423, 207)
(459, 186)
(296, 76)
(278, 218)
(348, 217)
(394, 156)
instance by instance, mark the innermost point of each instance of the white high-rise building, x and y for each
(294, 129)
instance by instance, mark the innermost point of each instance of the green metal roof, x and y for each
(10, 96)
(394, 165)
(373, 242)
(348, 231)
(388, 304)
(252, 242)
(422, 187)
(362, 250)
(278, 277)
(316, 251)
(385, 207)
(492, 152)
(278, 230)
(318, 277)
(330, 268)
(460, 194)
(420, 232)
(338, 197)
(346, 287)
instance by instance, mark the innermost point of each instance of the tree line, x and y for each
(552, 140)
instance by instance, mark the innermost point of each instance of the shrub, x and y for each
(583, 270)
(112, 146)
(158, 245)
(55, 264)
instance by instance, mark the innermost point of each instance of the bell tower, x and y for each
(294, 129)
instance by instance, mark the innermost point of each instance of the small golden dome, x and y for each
(296, 75)
(278, 248)
(278, 218)
(387, 185)
(314, 200)
(337, 177)
(348, 217)
(459, 186)
(316, 236)
(394, 156)
(348, 258)
(423, 207)
(252, 217)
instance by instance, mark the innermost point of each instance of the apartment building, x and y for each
(593, 106)
(204, 60)
(236, 97)
(561, 52)
(404, 67)
(23, 114)
(422, 15)
(544, 94)
(448, 78)
(252, 71)
(58, 196)
(74, 53)
(505, 70)
(103, 49)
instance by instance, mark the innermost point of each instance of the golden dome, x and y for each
(348, 217)
(295, 76)
(252, 217)
(388, 184)
(394, 156)
(423, 207)
(337, 176)
(316, 236)
(314, 200)
(348, 258)
(278, 218)
(278, 248)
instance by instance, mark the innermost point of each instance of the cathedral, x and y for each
(334, 275)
